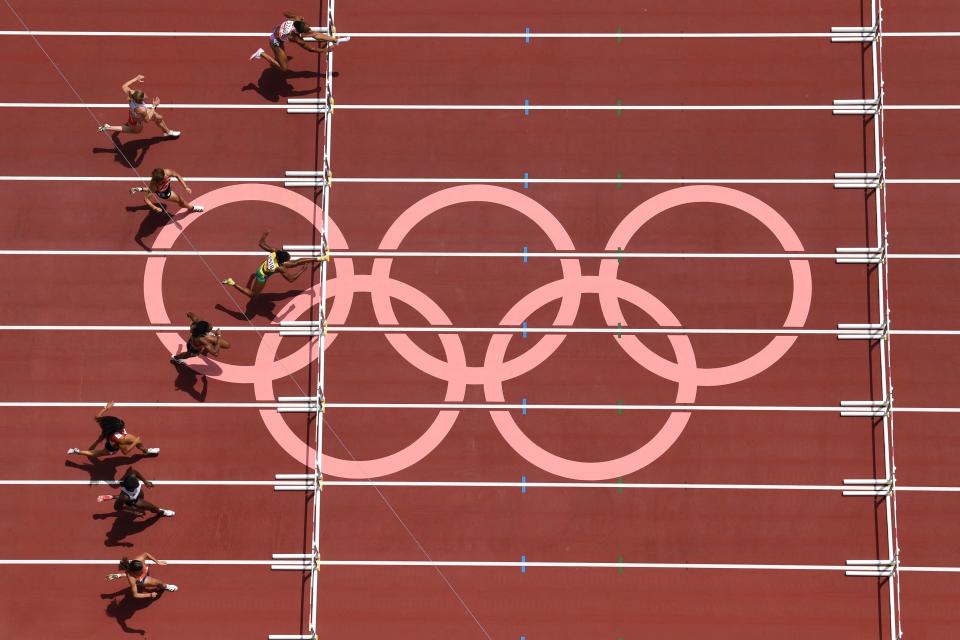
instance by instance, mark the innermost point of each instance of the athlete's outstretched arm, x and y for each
(126, 85)
(263, 242)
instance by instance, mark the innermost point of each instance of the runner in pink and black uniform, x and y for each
(293, 29)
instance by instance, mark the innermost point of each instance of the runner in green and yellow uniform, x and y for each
(276, 262)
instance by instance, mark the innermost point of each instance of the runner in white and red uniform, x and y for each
(137, 573)
(113, 434)
(293, 29)
(161, 188)
(140, 112)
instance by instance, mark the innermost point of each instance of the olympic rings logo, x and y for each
(496, 368)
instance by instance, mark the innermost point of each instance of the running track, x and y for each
(385, 162)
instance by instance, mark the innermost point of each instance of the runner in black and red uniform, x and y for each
(293, 29)
(113, 434)
(203, 339)
(161, 188)
(140, 112)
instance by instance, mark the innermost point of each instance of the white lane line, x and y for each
(413, 484)
(484, 406)
(444, 329)
(477, 564)
(467, 34)
(523, 181)
(131, 178)
(272, 328)
(110, 105)
(489, 107)
(152, 405)
(599, 255)
(171, 483)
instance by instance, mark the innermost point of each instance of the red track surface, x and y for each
(503, 524)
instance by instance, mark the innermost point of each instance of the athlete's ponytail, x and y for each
(109, 425)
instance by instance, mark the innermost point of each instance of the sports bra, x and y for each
(270, 264)
(134, 105)
(283, 30)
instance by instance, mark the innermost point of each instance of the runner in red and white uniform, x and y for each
(113, 434)
(140, 112)
(294, 29)
(161, 188)
(137, 573)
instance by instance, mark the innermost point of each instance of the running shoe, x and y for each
(104, 497)
(72, 450)
(102, 128)
(196, 209)
(172, 587)
(175, 360)
(153, 451)
(136, 189)
(168, 513)
(229, 282)
(172, 134)
(256, 54)
(342, 39)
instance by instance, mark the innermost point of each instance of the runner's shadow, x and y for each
(123, 606)
(187, 380)
(272, 84)
(132, 152)
(104, 469)
(125, 524)
(152, 222)
(264, 305)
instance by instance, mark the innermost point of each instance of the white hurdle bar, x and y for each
(855, 34)
(877, 487)
(861, 255)
(310, 482)
(310, 105)
(871, 568)
(872, 331)
(297, 404)
(859, 107)
(307, 178)
(294, 561)
(303, 327)
(865, 408)
(844, 180)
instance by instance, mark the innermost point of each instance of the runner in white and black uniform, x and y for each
(161, 188)
(132, 496)
(293, 29)
(113, 434)
(140, 112)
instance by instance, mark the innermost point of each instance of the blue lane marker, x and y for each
(526, 106)
(523, 566)
(524, 329)
(526, 176)
(524, 250)
(526, 38)
(523, 482)
(524, 409)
